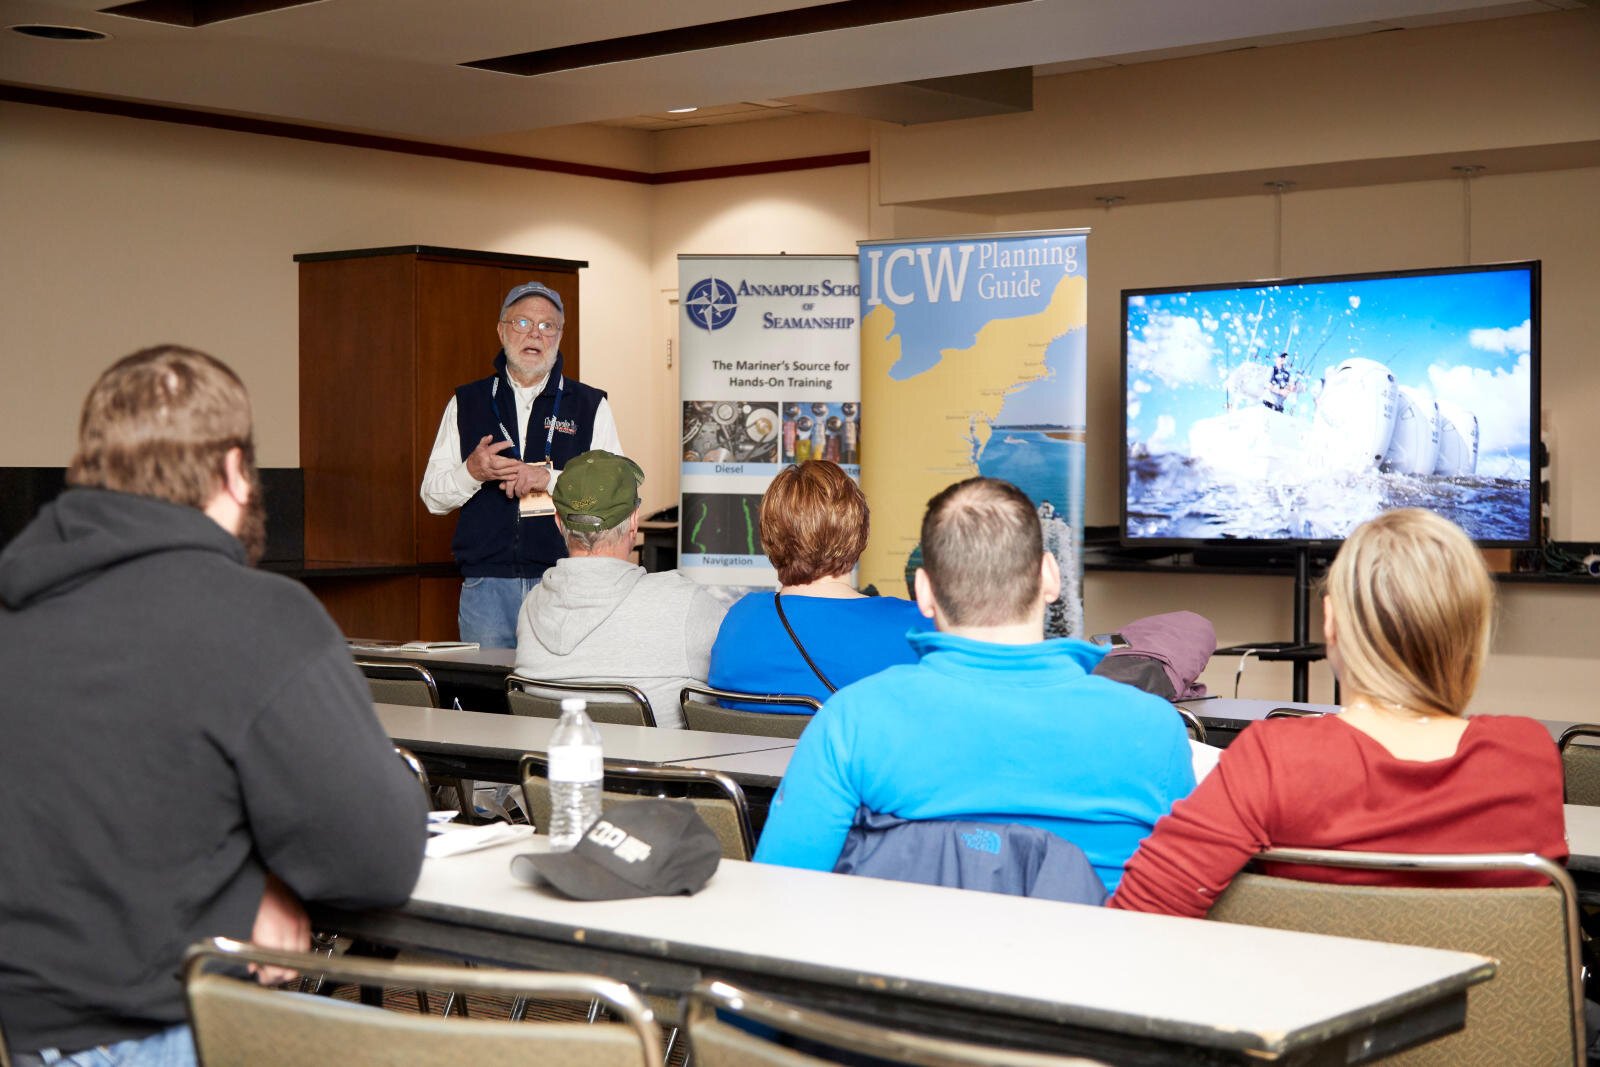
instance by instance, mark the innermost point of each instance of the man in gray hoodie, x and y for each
(597, 617)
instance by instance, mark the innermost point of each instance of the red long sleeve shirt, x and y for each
(1321, 783)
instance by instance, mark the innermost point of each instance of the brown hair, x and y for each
(159, 423)
(814, 522)
(1413, 606)
(981, 549)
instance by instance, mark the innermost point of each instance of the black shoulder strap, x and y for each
(777, 602)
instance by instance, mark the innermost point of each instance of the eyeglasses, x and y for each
(526, 325)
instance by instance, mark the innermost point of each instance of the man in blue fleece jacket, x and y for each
(992, 724)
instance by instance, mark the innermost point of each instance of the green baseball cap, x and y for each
(597, 491)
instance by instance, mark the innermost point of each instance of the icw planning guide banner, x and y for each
(769, 374)
(974, 362)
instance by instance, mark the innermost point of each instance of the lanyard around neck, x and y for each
(550, 432)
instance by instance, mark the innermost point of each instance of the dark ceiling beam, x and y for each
(820, 18)
(195, 13)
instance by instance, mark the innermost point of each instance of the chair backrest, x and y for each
(716, 798)
(414, 765)
(1292, 713)
(401, 683)
(240, 1023)
(1192, 723)
(1580, 764)
(719, 1043)
(612, 702)
(1534, 1005)
(702, 712)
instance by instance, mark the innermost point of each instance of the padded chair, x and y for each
(718, 1043)
(717, 798)
(242, 1024)
(613, 702)
(702, 712)
(1580, 764)
(1292, 713)
(400, 683)
(412, 684)
(1531, 1012)
(1192, 723)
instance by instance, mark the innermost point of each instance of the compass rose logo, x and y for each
(711, 304)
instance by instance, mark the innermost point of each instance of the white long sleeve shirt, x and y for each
(446, 484)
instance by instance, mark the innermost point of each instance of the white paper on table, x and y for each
(471, 838)
(1202, 758)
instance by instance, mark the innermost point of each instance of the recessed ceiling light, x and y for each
(59, 33)
(681, 110)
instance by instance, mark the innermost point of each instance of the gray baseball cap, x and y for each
(527, 289)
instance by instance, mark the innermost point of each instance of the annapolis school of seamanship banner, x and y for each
(769, 375)
(973, 362)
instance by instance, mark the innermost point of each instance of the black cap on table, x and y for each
(643, 848)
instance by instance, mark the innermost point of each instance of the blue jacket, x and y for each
(1020, 861)
(986, 733)
(491, 541)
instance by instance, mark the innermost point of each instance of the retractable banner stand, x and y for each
(770, 374)
(973, 362)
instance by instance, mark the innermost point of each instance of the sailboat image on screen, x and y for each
(1287, 412)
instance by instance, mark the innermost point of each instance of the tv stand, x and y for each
(1301, 652)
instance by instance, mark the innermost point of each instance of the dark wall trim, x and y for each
(770, 166)
(451, 255)
(132, 109)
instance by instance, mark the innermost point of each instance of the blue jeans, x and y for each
(173, 1047)
(489, 608)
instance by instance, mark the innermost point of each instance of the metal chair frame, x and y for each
(623, 1002)
(1567, 741)
(776, 720)
(1448, 862)
(707, 998)
(621, 691)
(1192, 723)
(620, 771)
(384, 670)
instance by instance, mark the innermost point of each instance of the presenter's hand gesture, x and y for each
(530, 478)
(486, 462)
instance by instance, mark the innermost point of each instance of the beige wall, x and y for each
(817, 212)
(122, 232)
(1494, 88)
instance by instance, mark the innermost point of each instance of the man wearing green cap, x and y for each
(598, 617)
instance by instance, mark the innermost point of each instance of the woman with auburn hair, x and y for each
(1406, 616)
(817, 633)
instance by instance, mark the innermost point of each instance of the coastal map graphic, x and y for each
(974, 382)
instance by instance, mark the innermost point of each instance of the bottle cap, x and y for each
(573, 704)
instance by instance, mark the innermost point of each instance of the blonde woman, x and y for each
(1407, 616)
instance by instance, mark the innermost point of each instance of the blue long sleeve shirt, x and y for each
(849, 639)
(985, 732)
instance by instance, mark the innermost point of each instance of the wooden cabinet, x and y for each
(386, 335)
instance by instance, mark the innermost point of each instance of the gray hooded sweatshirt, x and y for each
(598, 619)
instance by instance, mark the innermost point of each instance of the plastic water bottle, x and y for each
(576, 770)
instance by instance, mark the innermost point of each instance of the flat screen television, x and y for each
(1287, 412)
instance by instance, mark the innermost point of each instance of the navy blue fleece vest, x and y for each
(491, 541)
